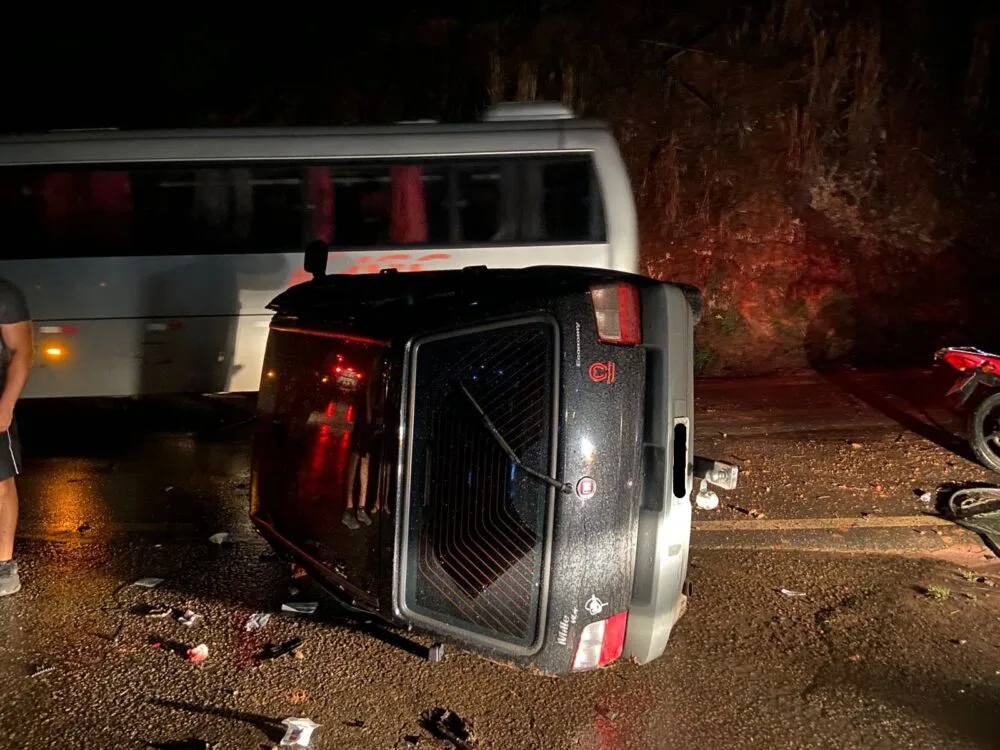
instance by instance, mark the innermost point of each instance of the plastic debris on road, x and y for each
(788, 593)
(148, 583)
(189, 618)
(300, 608)
(298, 732)
(445, 724)
(223, 537)
(153, 611)
(257, 621)
(288, 647)
(926, 497)
(706, 499)
(198, 654)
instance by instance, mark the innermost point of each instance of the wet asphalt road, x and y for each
(121, 491)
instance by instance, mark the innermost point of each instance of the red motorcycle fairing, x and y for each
(976, 367)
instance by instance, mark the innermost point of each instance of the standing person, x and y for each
(16, 354)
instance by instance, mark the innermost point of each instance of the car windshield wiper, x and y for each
(563, 487)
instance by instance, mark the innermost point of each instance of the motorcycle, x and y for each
(978, 368)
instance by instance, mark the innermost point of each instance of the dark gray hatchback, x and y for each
(499, 458)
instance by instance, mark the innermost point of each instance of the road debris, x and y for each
(789, 594)
(188, 618)
(257, 621)
(190, 744)
(298, 696)
(152, 611)
(445, 724)
(751, 512)
(298, 571)
(300, 608)
(298, 732)
(42, 670)
(223, 537)
(925, 497)
(291, 646)
(706, 499)
(197, 654)
(148, 583)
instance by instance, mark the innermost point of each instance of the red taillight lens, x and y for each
(616, 311)
(601, 643)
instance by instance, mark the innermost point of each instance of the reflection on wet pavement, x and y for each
(865, 660)
(97, 468)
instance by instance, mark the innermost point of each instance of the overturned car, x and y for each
(500, 459)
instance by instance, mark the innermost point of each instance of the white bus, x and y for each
(147, 258)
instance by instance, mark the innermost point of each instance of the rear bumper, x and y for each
(664, 531)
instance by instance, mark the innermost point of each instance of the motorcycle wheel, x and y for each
(984, 432)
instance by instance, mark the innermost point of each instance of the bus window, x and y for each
(265, 208)
(319, 204)
(408, 221)
(110, 214)
(570, 203)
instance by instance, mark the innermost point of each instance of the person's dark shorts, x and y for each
(362, 438)
(10, 453)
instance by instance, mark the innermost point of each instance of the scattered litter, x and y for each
(298, 571)
(958, 641)
(706, 499)
(788, 593)
(158, 613)
(222, 537)
(198, 654)
(298, 732)
(190, 744)
(294, 591)
(854, 658)
(856, 446)
(288, 647)
(878, 488)
(300, 608)
(445, 724)
(41, 671)
(148, 583)
(168, 488)
(355, 724)
(926, 497)
(189, 618)
(298, 696)
(751, 512)
(257, 621)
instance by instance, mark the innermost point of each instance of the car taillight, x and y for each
(601, 643)
(616, 311)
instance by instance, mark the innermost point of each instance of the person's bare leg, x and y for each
(363, 493)
(349, 518)
(10, 583)
(8, 518)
